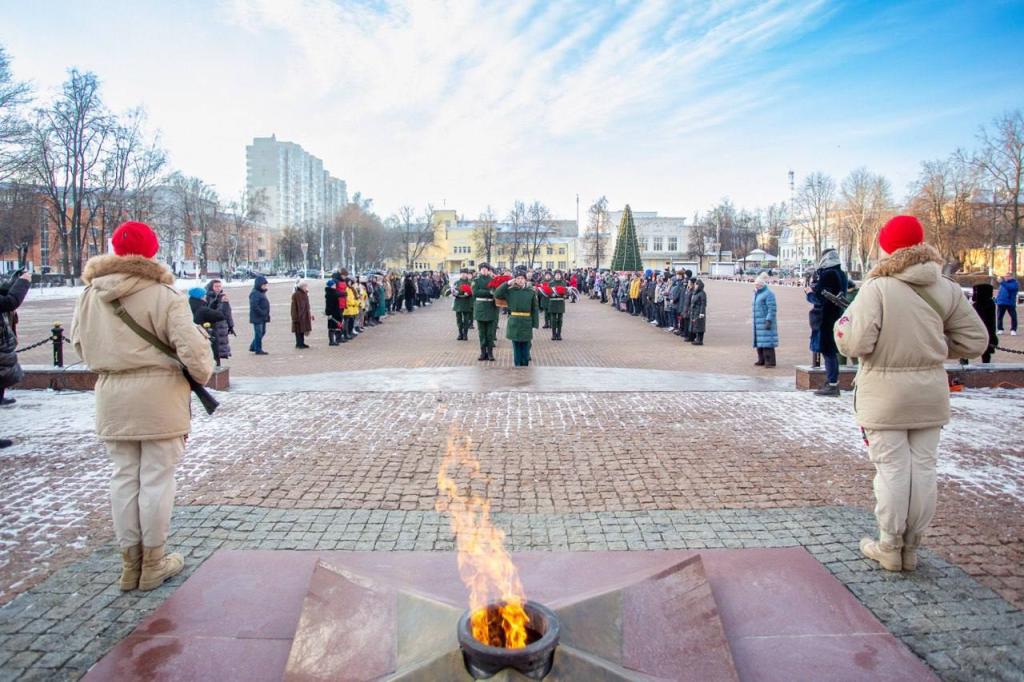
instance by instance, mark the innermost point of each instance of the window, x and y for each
(561, 265)
(561, 250)
(673, 243)
(501, 265)
(645, 244)
(657, 243)
(550, 265)
(472, 263)
(551, 250)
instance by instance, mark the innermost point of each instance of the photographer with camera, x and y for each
(136, 331)
(12, 293)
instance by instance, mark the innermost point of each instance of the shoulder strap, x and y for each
(144, 333)
(930, 301)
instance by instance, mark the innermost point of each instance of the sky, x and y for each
(666, 105)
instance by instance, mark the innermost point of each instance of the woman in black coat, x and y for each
(982, 298)
(217, 299)
(332, 311)
(698, 313)
(823, 317)
(410, 291)
(11, 296)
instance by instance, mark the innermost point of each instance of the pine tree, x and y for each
(627, 248)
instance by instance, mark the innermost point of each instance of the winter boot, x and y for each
(332, 338)
(828, 391)
(760, 358)
(490, 353)
(158, 567)
(909, 553)
(131, 568)
(886, 555)
(699, 339)
(483, 353)
(815, 359)
(769, 357)
(554, 334)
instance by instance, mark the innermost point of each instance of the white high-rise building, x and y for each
(299, 191)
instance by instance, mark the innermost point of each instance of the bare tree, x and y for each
(13, 127)
(865, 200)
(595, 238)
(514, 237)
(128, 175)
(413, 235)
(815, 200)
(538, 230)
(485, 235)
(700, 235)
(942, 200)
(67, 143)
(19, 216)
(199, 209)
(1001, 161)
(773, 220)
(289, 247)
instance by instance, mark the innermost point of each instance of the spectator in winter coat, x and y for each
(830, 278)
(333, 306)
(143, 401)
(981, 301)
(201, 312)
(11, 296)
(766, 329)
(684, 307)
(907, 320)
(1006, 302)
(409, 291)
(259, 314)
(217, 299)
(698, 313)
(302, 315)
(352, 305)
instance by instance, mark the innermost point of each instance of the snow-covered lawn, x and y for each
(61, 293)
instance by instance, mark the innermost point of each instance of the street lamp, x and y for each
(305, 259)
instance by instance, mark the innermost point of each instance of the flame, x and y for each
(484, 564)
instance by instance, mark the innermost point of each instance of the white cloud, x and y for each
(471, 101)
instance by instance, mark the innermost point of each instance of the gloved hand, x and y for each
(702, 316)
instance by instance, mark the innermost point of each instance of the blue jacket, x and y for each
(259, 304)
(764, 310)
(1008, 289)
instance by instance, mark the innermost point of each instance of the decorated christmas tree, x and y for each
(627, 248)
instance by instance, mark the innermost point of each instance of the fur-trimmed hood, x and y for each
(920, 264)
(119, 276)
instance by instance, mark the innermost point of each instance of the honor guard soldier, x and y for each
(462, 292)
(556, 304)
(485, 312)
(542, 298)
(524, 315)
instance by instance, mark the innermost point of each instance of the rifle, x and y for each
(209, 402)
(837, 301)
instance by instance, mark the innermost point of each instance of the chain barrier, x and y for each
(1010, 350)
(48, 339)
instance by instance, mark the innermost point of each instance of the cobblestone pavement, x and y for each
(962, 629)
(595, 336)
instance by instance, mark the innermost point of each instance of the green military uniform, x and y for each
(463, 306)
(543, 300)
(524, 317)
(486, 315)
(556, 308)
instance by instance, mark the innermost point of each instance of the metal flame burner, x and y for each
(534, 660)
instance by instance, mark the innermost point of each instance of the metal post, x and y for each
(57, 336)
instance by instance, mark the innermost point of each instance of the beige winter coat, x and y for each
(141, 393)
(902, 341)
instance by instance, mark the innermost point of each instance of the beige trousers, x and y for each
(905, 488)
(142, 489)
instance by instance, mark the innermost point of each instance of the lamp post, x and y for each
(305, 259)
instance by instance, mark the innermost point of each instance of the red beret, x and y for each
(135, 239)
(900, 232)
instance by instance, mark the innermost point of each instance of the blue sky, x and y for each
(666, 105)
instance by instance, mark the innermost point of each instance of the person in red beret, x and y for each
(904, 324)
(143, 401)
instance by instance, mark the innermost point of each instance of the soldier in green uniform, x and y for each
(556, 304)
(462, 292)
(485, 312)
(524, 315)
(543, 299)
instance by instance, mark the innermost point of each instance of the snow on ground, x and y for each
(62, 293)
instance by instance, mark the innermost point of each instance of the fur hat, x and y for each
(135, 239)
(899, 233)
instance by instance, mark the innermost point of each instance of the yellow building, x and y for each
(453, 247)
